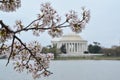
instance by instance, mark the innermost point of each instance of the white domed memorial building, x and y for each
(73, 43)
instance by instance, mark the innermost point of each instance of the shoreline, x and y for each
(88, 58)
(83, 58)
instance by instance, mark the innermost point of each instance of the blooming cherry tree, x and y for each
(28, 56)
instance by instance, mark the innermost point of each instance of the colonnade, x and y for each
(75, 47)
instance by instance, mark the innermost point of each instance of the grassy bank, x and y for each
(88, 58)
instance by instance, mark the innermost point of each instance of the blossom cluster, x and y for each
(31, 59)
(37, 68)
(49, 14)
(49, 19)
(77, 24)
(18, 25)
(5, 35)
(10, 5)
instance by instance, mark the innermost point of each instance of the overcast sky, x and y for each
(104, 25)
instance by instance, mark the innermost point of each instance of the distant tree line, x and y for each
(96, 48)
(113, 51)
(51, 49)
(63, 49)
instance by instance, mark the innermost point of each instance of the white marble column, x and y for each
(70, 47)
(78, 47)
(82, 47)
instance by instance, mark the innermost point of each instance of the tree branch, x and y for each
(59, 26)
(31, 53)
(33, 22)
(6, 1)
(28, 60)
(11, 50)
(5, 26)
(1, 48)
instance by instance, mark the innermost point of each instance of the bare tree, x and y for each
(47, 19)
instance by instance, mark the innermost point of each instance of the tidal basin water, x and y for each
(69, 70)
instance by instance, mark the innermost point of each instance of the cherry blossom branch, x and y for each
(1, 48)
(20, 50)
(33, 22)
(41, 28)
(3, 25)
(46, 28)
(28, 60)
(30, 52)
(9, 5)
(62, 23)
(2, 1)
(48, 21)
(11, 52)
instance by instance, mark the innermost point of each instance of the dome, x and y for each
(71, 37)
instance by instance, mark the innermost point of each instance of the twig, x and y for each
(11, 50)
(33, 22)
(28, 60)
(1, 48)
(5, 26)
(26, 28)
